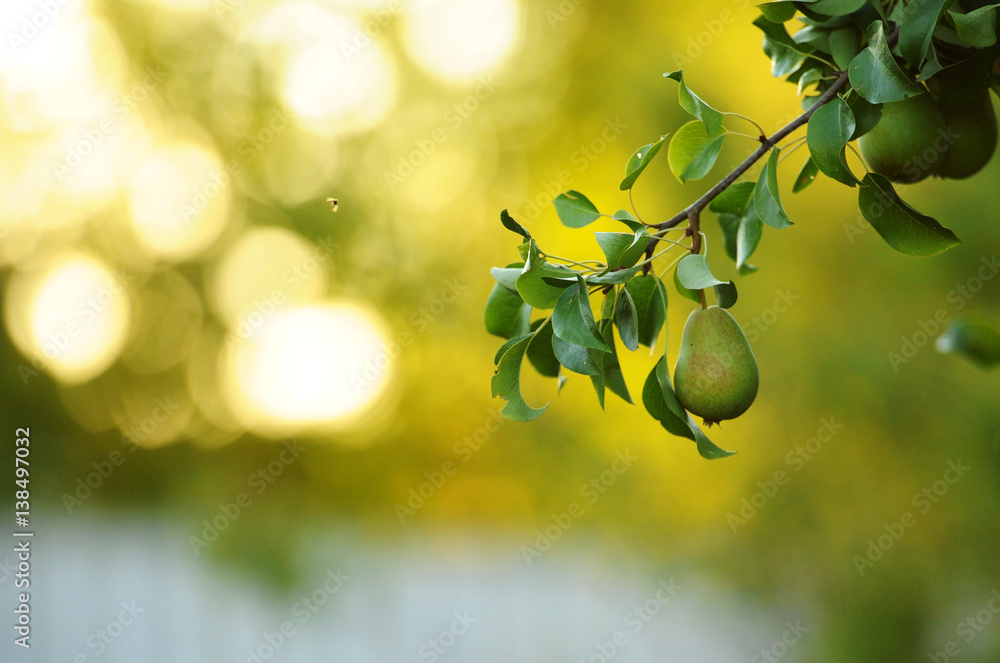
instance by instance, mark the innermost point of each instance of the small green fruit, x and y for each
(973, 128)
(901, 146)
(716, 376)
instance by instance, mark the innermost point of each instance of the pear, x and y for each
(973, 128)
(716, 376)
(901, 146)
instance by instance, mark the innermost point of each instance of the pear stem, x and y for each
(694, 230)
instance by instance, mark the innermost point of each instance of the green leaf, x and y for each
(845, 44)
(693, 152)
(778, 11)
(694, 273)
(575, 210)
(816, 37)
(784, 60)
(686, 293)
(658, 407)
(814, 18)
(693, 104)
(613, 276)
(623, 249)
(706, 448)
(875, 74)
(807, 175)
(978, 27)
(611, 371)
(866, 115)
(917, 27)
(748, 237)
(506, 383)
(945, 33)
(902, 227)
(778, 34)
(830, 129)
(599, 387)
(523, 249)
(734, 199)
(502, 350)
(649, 297)
(730, 225)
(573, 319)
(532, 284)
(608, 308)
(512, 225)
(932, 65)
(660, 401)
(837, 7)
(625, 217)
(726, 294)
(577, 358)
(612, 244)
(506, 313)
(977, 340)
(809, 77)
(638, 162)
(562, 282)
(507, 276)
(627, 321)
(540, 352)
(766, 198)
(778, 40)
(533, 289)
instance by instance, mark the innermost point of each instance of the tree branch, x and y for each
(765, 147)
(692, 211)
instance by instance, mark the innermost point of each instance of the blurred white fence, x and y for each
(123, 591)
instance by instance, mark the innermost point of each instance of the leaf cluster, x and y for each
(847, 59)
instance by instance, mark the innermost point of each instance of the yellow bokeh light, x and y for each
(459, 40)
(59, 65)
(195, 6)
(179, 201)
(333, 74)
(71, 317)
(266, 270)
(312, 367)
(92, 161)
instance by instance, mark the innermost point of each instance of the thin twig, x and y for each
(697, 206)
(667, 268)
(632, 203)
(692, 211)
(790, 150)
(765, 147)
(755, 139)
(578, 264)
(744, 117)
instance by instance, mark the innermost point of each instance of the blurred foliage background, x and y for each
(178, 289)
